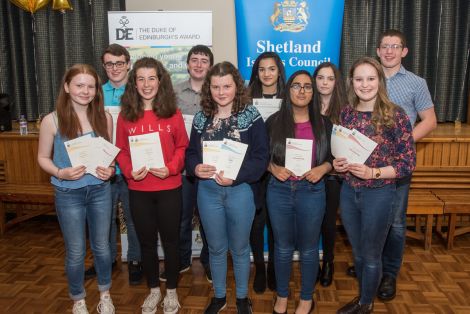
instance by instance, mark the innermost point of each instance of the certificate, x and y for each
(114, 111)
(267, 106)
(188, 123)
(351, 144)
(211, 153)
(146, 151)
(91, 152)
(233, 153)
(298, 155)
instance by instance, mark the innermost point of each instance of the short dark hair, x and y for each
(116, 50)
(201, 50)
(392, 33)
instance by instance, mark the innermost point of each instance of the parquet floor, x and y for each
(32, 279)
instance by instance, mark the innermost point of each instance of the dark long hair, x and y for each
(255, 86)
(338, 97)
(282, 126)
(164, 104)
(209, 107)
(69, 125)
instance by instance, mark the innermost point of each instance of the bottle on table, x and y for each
(23, 125)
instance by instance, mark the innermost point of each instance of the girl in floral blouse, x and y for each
(368, 191)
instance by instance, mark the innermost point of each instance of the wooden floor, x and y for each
(32, 279)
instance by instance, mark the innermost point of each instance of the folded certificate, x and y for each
(298, 155)
(146, 151)
(211, 153)
(114, 111)
(188, 123)
(233, 153)
(91, 152)
(351, 144)
(267, 106)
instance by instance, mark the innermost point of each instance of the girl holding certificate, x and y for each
(80, 198)
(148, 109)
(267, 81)
(227, 206)
(368, 191)
(296, 202)
(330, 96)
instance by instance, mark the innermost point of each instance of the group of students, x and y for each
(233, 213)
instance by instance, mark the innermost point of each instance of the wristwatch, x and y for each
(378, 173)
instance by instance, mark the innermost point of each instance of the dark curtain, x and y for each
(36, 49)
(438, 38)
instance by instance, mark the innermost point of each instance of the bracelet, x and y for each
(112, 166)
(58, 174)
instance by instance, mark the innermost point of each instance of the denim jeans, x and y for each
(367, 214)
(227, 214)
(296, 210)
(75, 208)
(395, 243)
(120, 192)
(186, 228)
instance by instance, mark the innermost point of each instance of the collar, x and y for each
(108, 87)
(187, 86)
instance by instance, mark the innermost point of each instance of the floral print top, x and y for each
(395, 145)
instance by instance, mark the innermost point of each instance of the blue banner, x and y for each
(303, 33)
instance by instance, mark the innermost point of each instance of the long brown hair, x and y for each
(338, 97)
(69, 125)
(164, 104)
(209, 107)
(384, 108)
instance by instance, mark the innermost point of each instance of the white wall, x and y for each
(223, 21)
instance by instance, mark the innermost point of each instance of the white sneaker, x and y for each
(106, 305)
(170, 302)
(151, 302)
(80, 307)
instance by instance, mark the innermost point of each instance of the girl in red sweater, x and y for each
(148, 105)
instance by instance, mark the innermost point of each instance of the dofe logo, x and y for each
(124, 33)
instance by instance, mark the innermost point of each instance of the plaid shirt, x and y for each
(410, 92)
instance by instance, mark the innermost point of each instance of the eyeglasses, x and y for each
(308, 88)
(118, 64)
(393, 47)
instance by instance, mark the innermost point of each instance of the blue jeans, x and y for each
(296, 210)
(367, 215)
(395, 243)
(120, 192)
(186, 227)
(227, 214)
(75, 208)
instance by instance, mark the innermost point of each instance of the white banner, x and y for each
(164, 35)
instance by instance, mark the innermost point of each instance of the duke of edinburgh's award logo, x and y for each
(290, 16)
(124, 33)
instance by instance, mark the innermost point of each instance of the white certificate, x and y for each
(233, 153)
(146, 151)
(91, 152)
(267, 106)
(211, 153)
(351, 144)
(188, 123)
(298, 155)
(114, 111)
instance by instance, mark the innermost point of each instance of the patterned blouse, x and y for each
(395, 145)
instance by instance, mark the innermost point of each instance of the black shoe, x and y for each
(216, 305)
(327, 271)
(207, 269)
(183, 269)
(259, 283)
(387, 289)
(351, 271)
(349, 308)
(135, 273)
(91, 272)
(271, 277)
(244, 306)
